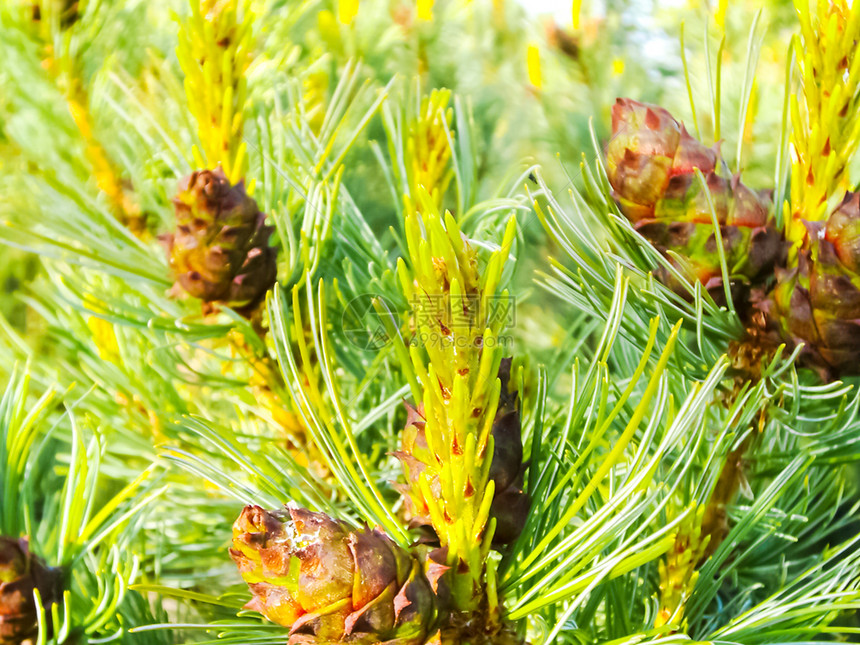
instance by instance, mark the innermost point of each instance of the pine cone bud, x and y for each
(21, 573)
(219, 251)
(651, 164)
(818, 302)
(329, 583)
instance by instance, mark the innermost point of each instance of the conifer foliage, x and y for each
(411, 322)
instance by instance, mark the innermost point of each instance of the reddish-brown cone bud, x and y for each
(219, 251)
(651, 163)
(818, 302)
(329, 583)
(21, 573)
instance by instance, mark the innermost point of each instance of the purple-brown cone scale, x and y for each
(818, 302)
(330, 583)
(651, 165)
(21, 573)
(220, 249)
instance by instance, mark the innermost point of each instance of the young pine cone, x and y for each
(21, 573)
(652, 163)
(220, 250)
(329, 583)
(818, 302)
